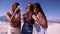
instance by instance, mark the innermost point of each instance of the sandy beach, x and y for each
(53, 28)
(3, 28)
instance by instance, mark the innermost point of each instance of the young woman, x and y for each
(40, 24)
(28, 21)
(14, 19)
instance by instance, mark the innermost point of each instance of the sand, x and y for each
(53, 28)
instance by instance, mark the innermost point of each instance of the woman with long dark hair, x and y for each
(14, 19)
(40, 24)
(28, 21)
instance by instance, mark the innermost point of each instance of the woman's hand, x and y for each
(34, 17)
(17, 9)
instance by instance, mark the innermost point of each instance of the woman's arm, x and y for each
(16, 11)
(42, 21)
(8, 16)
(17, 17)
(36, 19)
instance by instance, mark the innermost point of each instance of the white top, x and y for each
(38, 29)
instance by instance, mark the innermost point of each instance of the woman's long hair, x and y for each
(31, 11)
(38, 6)
(14, 6)
(40, 10)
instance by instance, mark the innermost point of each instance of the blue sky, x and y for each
(51, 8)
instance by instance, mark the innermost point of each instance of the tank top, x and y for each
(38, 29)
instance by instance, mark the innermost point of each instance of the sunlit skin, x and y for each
(42, 21)
(14, 21)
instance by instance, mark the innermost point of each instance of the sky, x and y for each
(51, 8)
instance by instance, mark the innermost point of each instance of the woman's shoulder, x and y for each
(9, 13)
(39, 13)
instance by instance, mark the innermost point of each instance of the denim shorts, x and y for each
(27, 29)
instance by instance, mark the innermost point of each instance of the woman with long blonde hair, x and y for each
(14, 19)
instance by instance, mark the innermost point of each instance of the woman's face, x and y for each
(28, 7)
(14, 7)
(35, 9)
